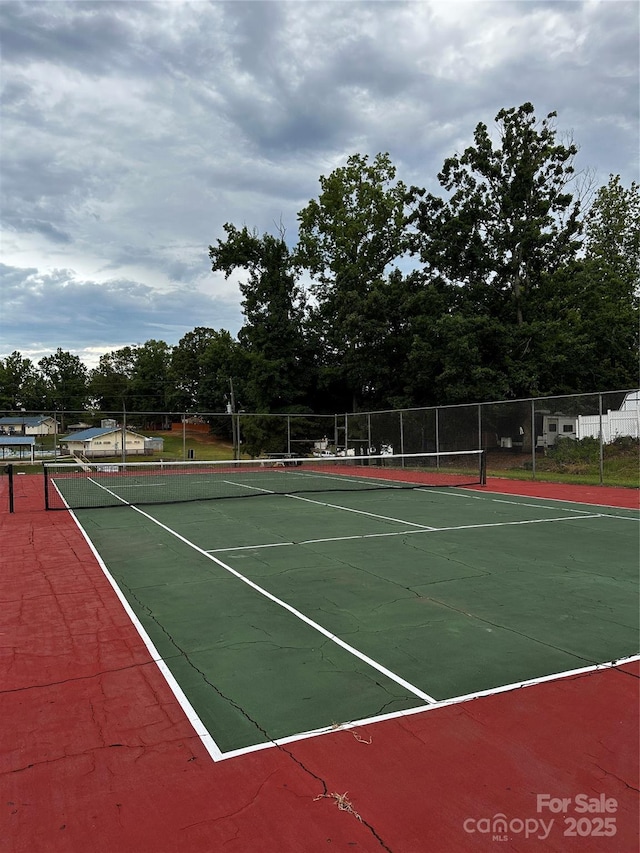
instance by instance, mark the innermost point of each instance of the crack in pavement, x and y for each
(283, 749)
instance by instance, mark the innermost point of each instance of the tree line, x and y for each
(519, 280)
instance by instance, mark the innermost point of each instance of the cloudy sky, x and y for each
(132, 131)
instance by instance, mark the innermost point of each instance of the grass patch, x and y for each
(576, 462)
(204, 447)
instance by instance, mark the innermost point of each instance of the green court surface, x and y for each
(279, 615)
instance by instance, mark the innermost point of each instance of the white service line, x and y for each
(333, 506)
(349, 478)
(405, 532)
(362, 512)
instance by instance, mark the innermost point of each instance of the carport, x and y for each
(17, 445)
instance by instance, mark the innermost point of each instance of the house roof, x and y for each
(25, 421)
(16, 440)
(631, 402)
(94, 432)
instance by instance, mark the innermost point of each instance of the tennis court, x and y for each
(295, 612)
(321, 608)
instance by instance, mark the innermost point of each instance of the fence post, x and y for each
(479, 426)
(601, 443)
(533, 440)
(123, 433)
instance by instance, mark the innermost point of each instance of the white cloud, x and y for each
(133, 131)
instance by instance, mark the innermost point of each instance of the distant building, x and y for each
(104, 441)
(39, 425)
(154, 445)
(15, 445)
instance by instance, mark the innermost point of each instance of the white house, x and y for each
(100, 441)
(40, 425)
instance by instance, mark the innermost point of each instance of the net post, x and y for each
(483, 467)
(46, 486)
(9, 470)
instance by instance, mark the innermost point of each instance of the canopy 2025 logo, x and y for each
(579, 816)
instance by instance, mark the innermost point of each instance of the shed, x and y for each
(154, 445)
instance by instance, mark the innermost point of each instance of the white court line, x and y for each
(251, 547)
(133, 485)
(457, 700)
(332, 506)
(200, 729)
(349, 478)
(362, 512)
(586, 512)
(104, 488)
(206, 738)
(404, 532)
(315, 625)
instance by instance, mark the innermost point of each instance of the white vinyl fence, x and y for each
(614, 425)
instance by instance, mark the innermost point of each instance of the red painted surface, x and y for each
(603, 495)
(96, 755)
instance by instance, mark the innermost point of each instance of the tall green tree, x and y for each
(593, 302)
(509, 223)
(509, 219)
(151, 381)
(110, 383)
(21, 384)
(203, 364)
(612, 232)
(350, 239)
(277, 369)
(66, 381)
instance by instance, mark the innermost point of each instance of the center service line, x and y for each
(331, 506)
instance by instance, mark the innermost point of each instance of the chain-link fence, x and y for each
(528, 436)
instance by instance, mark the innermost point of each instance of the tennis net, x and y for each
(102, 484)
